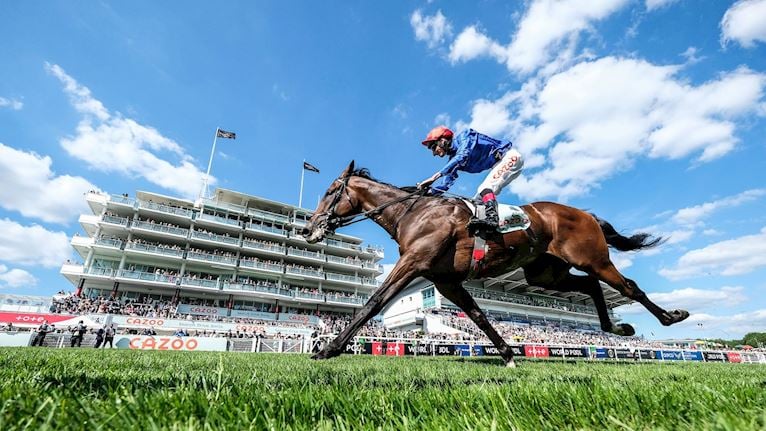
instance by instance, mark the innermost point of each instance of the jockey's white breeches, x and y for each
(504, 171)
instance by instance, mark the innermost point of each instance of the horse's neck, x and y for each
(373, 195)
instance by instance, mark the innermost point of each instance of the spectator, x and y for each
(109, 336)
(99, 337)
(78, 333)
(42, 330)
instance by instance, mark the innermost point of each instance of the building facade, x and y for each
(232, 256)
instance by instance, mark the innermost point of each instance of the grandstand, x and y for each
(219, 264)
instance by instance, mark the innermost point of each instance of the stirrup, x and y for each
(476, 223)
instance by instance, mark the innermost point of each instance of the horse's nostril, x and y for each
(304, 231)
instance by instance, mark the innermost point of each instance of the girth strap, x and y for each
(477, 257)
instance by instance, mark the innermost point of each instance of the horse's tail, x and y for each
(623, 243)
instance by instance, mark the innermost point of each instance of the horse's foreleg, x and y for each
(402, 274)
(611, 276)
(460, 297)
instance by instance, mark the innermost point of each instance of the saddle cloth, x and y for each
(511, 217)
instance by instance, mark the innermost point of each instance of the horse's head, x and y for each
(338, 202)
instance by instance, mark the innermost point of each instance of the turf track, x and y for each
(114, 390)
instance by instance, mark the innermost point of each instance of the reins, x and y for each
(349, 220)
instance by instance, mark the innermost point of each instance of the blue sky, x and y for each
(649, 113)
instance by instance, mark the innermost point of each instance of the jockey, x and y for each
(473, 152)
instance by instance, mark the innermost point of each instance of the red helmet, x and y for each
(437, 133)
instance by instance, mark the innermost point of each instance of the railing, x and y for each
(343, 277)
(224, 205)
(266, 215)
(101, 272)
(299, 222)
(123, 200)
(183, 212)
(305, 272)
(309, 295)
(147, 248)
(371, 282)
(147, 276)
(264, 228)
(343, 261)
(533, 302)
(122, 221)
(199, 282)
(215, 237)
(345, 299)
(342, 244)
(372, 265)
(264, 266)
(211, 258)
(219, 219)
(108, 242)
(305, 253)
(274, 248)
(257, 288)
(173, 230)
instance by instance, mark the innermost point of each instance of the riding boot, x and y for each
(490, 221)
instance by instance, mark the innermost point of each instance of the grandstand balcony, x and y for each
(345, 300)
(152, 278)
(297, 272)
(342, 279)
(72, 271)
(221, 222)
(312, 297)
(258, 289)
(159, 229)
(114, 221)
(157, 251)
(306, 255)
(264, 247)
(200, 283)
(175, 212)
(268, 216)
(225, 206)
(96, 201)
(231, 242)
(108, 246)
(120, 201)
(268, 231)
(258, 266)
(82, 244)
(211, 258)
(371, 282)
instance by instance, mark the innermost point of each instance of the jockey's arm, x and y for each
(428, 181)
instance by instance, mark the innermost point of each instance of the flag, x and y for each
(310, 167)
(226, 135)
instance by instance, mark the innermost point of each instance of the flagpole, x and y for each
(303, 172)
(204, 191)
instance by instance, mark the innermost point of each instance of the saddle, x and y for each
(511, 218)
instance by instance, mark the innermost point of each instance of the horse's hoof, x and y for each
(510, 364)
(324, 354)
(678, 315)
(623, 329)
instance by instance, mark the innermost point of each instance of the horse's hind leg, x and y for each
(627, 287)
(590, 286)
(460, 297)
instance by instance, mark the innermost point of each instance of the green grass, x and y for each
(114, 390)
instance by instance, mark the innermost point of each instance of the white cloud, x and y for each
(585, 124)
(32, 245)
(111, 143)
(16, 277)
(14, 104)
(432, 30)
(745, 23)
(33, 189)
(442, 119)
(726, 325)
(652, 5)
(546, 27)
(621, 261)
(731, 257)
(692, 299)
(691, 215)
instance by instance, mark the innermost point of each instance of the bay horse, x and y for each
(434, 243)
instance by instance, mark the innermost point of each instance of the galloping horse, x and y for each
(435, 244)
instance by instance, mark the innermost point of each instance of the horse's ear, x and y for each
(348, 170)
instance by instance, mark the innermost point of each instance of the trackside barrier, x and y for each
(395, 347)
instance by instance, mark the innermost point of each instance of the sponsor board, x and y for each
(20, 339)
(201, 310)
(714, 356)
(490, 350)
(462, 350)
(36, 319)
(418, 349)
(669, 355)
(444, 349)
(249, 314)
(145, 342)
(534, 351)
(395, 349)
(646, 354)
(734, 356)
(568, 352)
(692, 356)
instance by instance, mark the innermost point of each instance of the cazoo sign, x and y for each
(146, 342)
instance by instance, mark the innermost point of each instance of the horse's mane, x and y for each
(365, 173)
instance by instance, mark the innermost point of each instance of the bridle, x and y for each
(334, 221)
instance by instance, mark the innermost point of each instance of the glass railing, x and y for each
(257, 288)
(305, 253)
(345, 299)
(173, 230)
(526, 300)
(371, 282)
(264, 228)
(344, 260)
(122, 221)
(122, 200)
(183, 212)
(343, 277)
(304, 272)
(342, 244)
(372, 265)
(147, 276)
(148, 248)
(309, 295)
(299, 222)
(224, 205)
(274, 248)
(374, 249)
(264, 266)
(200, 282)
(102, 272)
(211, 258)
(215, 237)
(219, 219)
(266, 215)
(109, 242)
